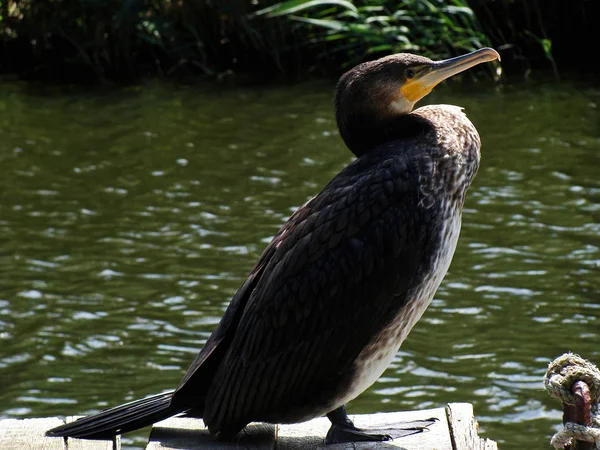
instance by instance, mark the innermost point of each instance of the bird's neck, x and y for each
(363, 133)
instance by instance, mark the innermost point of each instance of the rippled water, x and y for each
(129, 218)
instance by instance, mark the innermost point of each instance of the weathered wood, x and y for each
(454, 429)
(29, 434)
(191, 434)
(86, 444)
(177, 433)
(463, 429)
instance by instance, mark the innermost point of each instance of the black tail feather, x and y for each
(120, 419)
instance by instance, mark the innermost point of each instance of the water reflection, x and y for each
(129, 220)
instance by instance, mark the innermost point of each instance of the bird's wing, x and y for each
(204, 365)
(336, 273)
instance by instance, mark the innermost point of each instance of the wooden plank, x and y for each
(87, 444)
(312, 434)
(463, 429)
(177, 433)
(455, 429)
(29, 434)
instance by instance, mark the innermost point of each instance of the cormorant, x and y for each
(340, 286)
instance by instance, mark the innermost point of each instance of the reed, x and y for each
(366, 28)
(124, 40)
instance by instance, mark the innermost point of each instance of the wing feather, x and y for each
(335, 274)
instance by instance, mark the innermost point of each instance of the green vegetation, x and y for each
(123, 40)
(372, 27)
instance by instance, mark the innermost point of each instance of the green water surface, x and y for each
(129, 218)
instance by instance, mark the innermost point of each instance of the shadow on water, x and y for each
(129, 219)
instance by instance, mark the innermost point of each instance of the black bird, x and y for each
(340, 286)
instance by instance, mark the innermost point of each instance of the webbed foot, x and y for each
(343, 429)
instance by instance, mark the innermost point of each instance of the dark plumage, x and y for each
(348, 275)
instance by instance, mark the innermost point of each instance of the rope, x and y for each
(562, 373)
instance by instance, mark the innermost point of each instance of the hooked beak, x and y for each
(418, 87)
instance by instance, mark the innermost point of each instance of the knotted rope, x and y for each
(562, 373)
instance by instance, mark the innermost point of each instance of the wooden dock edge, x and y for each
(454, 429)
(29, 434)
(464, 429)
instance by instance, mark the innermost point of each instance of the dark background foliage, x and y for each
(123, 40)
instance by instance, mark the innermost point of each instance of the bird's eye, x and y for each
(410, 73)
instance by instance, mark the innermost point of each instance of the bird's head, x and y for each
(373, 93)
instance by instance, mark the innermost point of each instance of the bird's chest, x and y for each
(379, 353)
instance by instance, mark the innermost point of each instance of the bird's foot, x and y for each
(347, 432)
